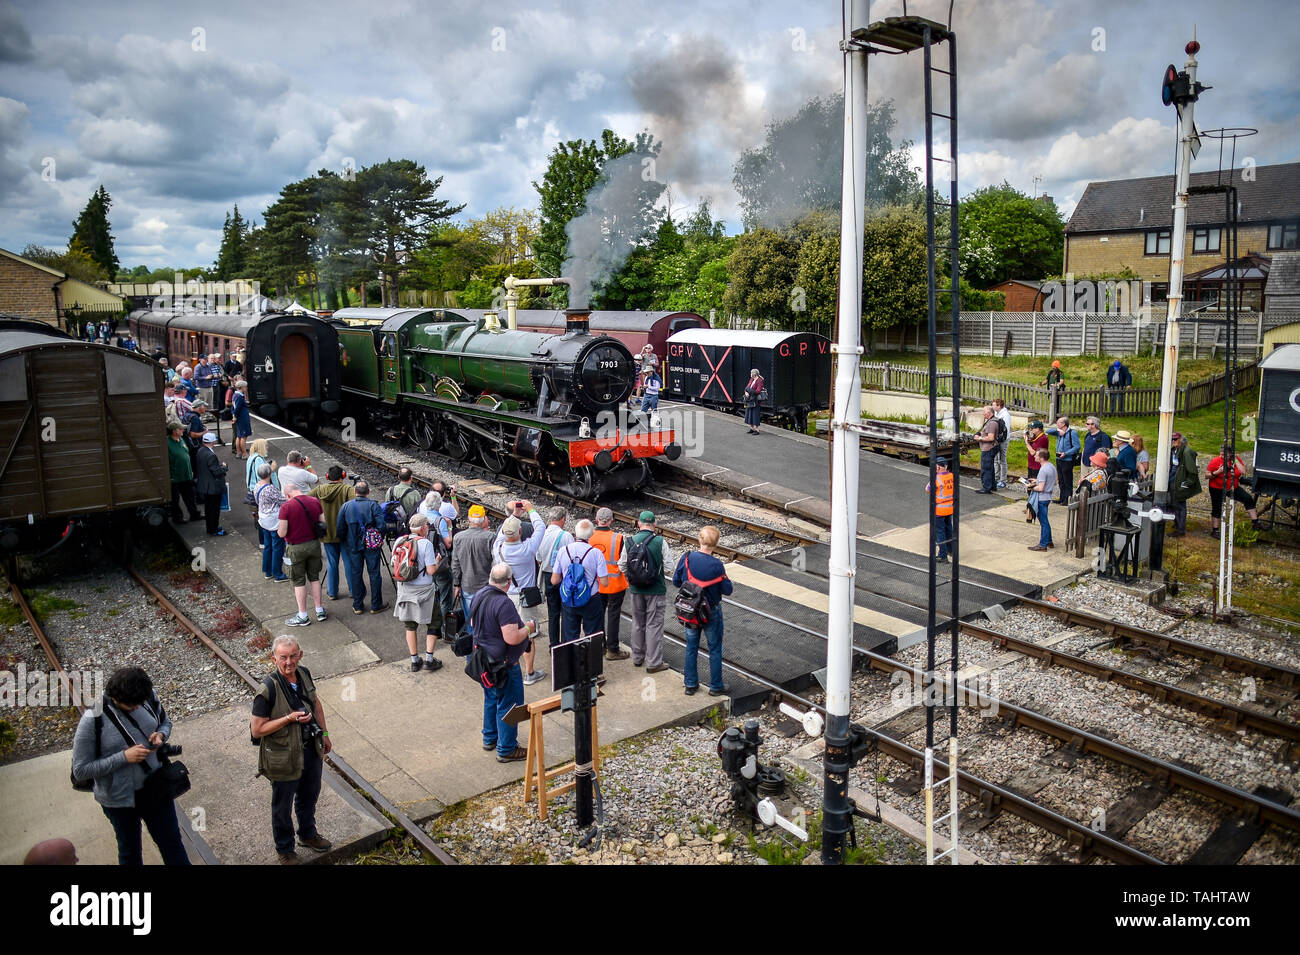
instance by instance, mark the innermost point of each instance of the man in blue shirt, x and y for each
(590, 615)
(1118, 380)
(1095, 439)
(1126, 456)
(1067, 456)
(355, 517)
(704, 568)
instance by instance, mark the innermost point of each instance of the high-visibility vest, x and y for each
(943, 494)
(610, 545)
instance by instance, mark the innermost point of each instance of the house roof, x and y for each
(36, 265)
(1253, 268)
(1033, 285)
(1284, 276)
(1121, 205)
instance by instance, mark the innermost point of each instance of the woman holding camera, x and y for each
(120, 750)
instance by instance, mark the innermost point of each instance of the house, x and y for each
(1021, 296)
(31, 290)
(1127, 224)
(1283, 290)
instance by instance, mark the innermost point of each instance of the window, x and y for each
(1160, 292)
(1283, 236)
(1205, 240)
(1158, 242)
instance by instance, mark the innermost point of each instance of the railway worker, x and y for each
(1055, 377)
(356, 517)
(1124, 453)
(553, 539)
(1000, 463)
(288, 721)
(471, 559)
(1067, 455)
(1184, 481)
(988, 440)
(752, 397)
(701, 566)
(243, 420)
(1220, 480)
(417, 599)
(1094, 439)
(332, 493)
(1118, 380)
(440, 525)
(580, 604)
(503, 635)
(181, 469)
(510, 548)
(269, 500)
(943, 499)
(648, 601)
(405, 492)
(1143, 457)
(297, 525)
(1044, 486)
(298, 472)
(131, 725)
(613, 589)
(210, 482)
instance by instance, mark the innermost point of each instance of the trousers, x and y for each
(296, 795)
(647, 642)
(613, 617)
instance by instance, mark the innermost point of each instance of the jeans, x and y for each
(1116, 399)
(355, 564)
(713, 633)
(1044, 524)
(496, 704)
(988, 468)
(613, 617)
(296, 794)
(163, 829)
(554, 609)
(446, 592)
(332, 552)
(943, 533)
(272, 552)
(1000, 464)
(589, 618)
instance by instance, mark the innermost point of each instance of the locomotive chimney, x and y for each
(575, 319)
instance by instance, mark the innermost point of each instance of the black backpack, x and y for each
(642, 568)
(1003, 434)
(691, 605)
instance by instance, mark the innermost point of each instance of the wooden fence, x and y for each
(1095, 509)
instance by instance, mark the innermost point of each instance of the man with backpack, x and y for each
(614, 587)
(1003, 417)
(988, 439)
(578, 571)
(332, 494)
(415, 560)
(521, 555)
(553, 539)
(703, 581)
(643, 563)
(405, 493)
(360, 532)
(501, 636)
(471, 560)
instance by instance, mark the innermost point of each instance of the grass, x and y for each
(782, 851)
(1265, 579)
(1081, 371)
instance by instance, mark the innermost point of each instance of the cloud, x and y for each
(15, 41)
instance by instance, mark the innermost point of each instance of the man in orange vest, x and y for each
(613, 586)
(942, 507)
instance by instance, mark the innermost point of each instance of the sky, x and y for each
(181, 110)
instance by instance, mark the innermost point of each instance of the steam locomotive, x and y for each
(545, 405)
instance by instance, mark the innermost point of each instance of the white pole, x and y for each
(845, 444)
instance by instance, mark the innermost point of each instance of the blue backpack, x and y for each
(574, 589)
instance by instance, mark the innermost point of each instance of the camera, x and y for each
(169, 750)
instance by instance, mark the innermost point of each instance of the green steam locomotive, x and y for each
(545, 406)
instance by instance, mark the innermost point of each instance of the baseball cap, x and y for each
(209, 438)
(1036, 424)
(942, 461)
(1177, 436)
(646, 517)
(511, 526)
(477, 511)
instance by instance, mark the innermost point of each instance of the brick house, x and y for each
(1126, 223)
(31, 290)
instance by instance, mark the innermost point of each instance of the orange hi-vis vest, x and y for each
(943, 494)
(610, 545)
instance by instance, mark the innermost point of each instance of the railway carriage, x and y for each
(82, 437)
(1277, 443)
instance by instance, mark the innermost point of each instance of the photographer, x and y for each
(288, 721)
(123, 760)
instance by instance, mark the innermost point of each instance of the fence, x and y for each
(1095, 509)
(1051, 403)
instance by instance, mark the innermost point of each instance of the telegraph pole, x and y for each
(1181, 90)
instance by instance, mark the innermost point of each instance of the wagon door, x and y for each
(295, 367)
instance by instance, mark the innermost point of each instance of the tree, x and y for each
(93, 232)
(763, 266)
(508, 231)
(893, 262)
(818, 274)
(450, 256)
(232, 259)
(1027, 236)
(797, 169)
(75, 262)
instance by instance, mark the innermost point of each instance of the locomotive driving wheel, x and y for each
(494, 458)
(422, 430)
(529, 472)
(455, 443)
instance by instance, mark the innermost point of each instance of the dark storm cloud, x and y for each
(15, 41)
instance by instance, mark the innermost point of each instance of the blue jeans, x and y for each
(272, 552)
(354, 563)
(1044, 525)
(589, 618)
(650, 404)
(163, 829)
(496, 704)
(465, 601)
(332, 552)
(446, 592)
(943, 533)
(296, 795)
(713, 633)
(988, 468)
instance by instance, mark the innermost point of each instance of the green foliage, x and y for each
(94, 233)
(76, 261)
(232, 259)
(763, 267)
(7, 738)
(893, 261)
(1026, 236)
(818, 272)
(783, 850)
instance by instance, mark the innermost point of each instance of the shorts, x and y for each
(304, 562)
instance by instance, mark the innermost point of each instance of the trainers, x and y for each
(280, 580)
(616, 654)
(722, 691)
(1001, 485)
(298, 620)
(519, 753)
(657, 669)
(535, 677)
(358, 610)
(317, 842)
(692, 690)
(321, 614)
(380, 609)
(289, 858)
(488, 747)
(432, 665)
(417, 665)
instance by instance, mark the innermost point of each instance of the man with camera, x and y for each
(288, 723)
(504, 637)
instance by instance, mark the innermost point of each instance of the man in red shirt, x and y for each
(1223, 477)
(299, 516)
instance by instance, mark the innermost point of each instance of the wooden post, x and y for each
(1196, 340)
(1081, 521)
(535, 772)
(1051, 343)
(1083, 339)
(990, 333)
(1259, 335)
(884, 382)
(1033, 335)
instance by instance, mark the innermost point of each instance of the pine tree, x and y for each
(94, 233)
(232, 260)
